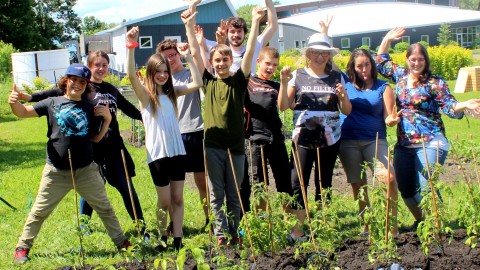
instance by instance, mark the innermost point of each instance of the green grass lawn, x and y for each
(22, 157)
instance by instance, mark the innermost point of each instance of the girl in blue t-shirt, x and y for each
(372, 101)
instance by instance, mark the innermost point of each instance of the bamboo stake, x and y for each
(322, 195)
(476, 166)
(241, 205)
(433, 192)
(269, 210)
(387, 218)
(82, 256)
(296, 159)
(207, 197)
(251, 175)
(130, 192)
(375, 160)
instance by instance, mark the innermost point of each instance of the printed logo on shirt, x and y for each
(73, 121)
(318, 88)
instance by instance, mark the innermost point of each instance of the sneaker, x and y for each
(163, 244)
(125, 245)
(21, 255)
(292, 238)
(222, 241)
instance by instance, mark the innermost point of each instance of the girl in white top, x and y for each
(165, 150)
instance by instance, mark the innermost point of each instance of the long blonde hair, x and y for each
(152, 64)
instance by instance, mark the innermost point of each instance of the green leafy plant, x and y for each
(432, 230)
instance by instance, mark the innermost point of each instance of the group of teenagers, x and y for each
(335, 114)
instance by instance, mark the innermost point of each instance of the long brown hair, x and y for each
(152, 64)
(352, 74)
(96, 54)
(426, 73)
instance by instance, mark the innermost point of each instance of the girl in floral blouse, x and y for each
(420, 96)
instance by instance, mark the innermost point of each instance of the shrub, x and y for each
(292, 52)
(38, 84)
(345, 52)
(341, 61)
(112, 79)
(401, 47)
(6, 50)
(445, 61)
(424, 43)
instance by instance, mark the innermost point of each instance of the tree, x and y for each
(17, 23)
(469, 4)
(55, 21)
(445, 34)
(92, 25)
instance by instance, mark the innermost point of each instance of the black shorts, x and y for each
(167, 169)
(193, 142)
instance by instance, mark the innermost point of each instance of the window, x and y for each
(145, 42)
(297, 44)
(425, 38)
(366, 41)
(406, 39)
(345, 43)
(304, 43)
(177, 38)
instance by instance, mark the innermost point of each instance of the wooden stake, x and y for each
(251, 175)
(82, 256)
(241, 205)
(130, 192)
(322, 195)
(433, 191)
(387, 216)
(207, 197)
(269, 210)
(296, 159)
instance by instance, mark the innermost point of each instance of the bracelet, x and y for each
(132, 45)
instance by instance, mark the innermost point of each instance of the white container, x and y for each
(50, 65)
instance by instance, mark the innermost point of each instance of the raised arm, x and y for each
(196, 82)
(189, 19)
(19, 109)
(140, 91)
(272, 22)
(257, 14)
(203, 48)
(285, 77)
(394, 34)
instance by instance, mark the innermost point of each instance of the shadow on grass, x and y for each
(21, 155)
(7, 118)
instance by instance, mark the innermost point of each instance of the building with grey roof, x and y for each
(365, 23)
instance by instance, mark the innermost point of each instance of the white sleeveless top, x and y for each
(162, 134)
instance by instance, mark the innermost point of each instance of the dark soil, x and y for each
(354, 254)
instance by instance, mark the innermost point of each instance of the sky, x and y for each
(114, 11)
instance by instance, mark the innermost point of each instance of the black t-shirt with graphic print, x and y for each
(69, 127)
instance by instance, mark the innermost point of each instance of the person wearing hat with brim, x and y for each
(71, 129)
(315, 91)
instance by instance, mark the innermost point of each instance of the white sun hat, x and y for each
(319, 41)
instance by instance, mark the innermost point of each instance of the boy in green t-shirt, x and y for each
(224, 130)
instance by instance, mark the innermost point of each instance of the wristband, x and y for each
(132, 45)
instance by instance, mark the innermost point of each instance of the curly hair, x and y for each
(166, 45)
(238, 22)
(62, 85)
